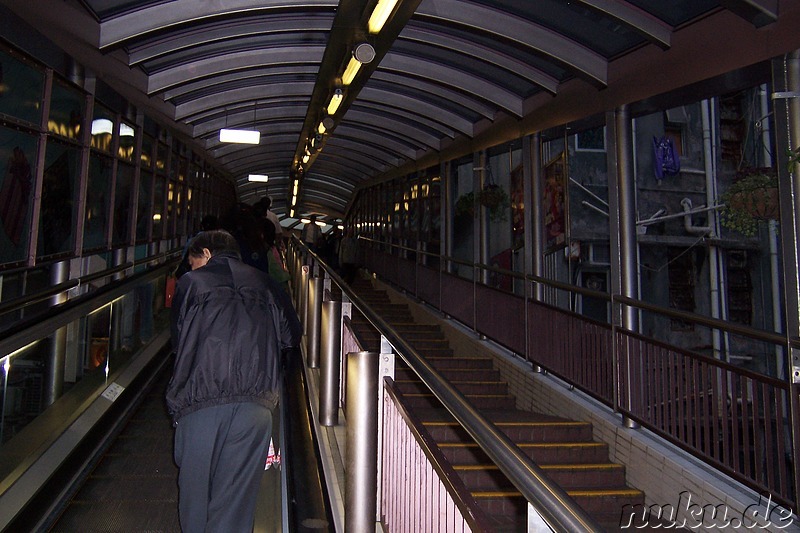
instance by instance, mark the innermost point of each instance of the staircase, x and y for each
(564, 449)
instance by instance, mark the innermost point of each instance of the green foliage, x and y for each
(465, 205)
(495, 199)
(751, 199)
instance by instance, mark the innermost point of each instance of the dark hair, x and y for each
(269, 232)
(209, 222)
(217, 241)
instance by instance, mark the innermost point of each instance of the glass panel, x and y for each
(59, 191)
(463, 217)
(22, 88)
(102, 128)
(146, 157)
(97, 194)
(127, 141)
(171, 199)
(18, 153)
(145, 209)
(158, 207)
(123, 200)
(161, 158)
(66, 111)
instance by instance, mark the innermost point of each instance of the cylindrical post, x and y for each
(302, 297)
(313, 319)
(361, 482)
(330, 348)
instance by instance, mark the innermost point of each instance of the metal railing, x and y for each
(734, 419)
(553, 505)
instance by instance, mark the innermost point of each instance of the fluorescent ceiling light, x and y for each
(294, 191)
(239, 136)
(321, 128)
(306, 157)
(351, 71)
(335, 102)
(157, 216)
(258, 177)
(291, 213)
(380, 15)
(102, 125)
(320, 223)
(305, 220)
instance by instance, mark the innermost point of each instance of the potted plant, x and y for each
(465, 205)
(495, 199)
(751, 198)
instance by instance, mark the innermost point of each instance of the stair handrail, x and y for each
(554, 505)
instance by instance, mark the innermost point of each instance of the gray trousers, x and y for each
(221, 452)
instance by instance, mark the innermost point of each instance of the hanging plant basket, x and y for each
(752, 198)
(495, 199)
(465, 205)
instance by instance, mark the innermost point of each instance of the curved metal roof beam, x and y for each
(240, 109)
(467, 101)
(350, 150)
(475, 52)
(162, 16)
(758, 12)
(450, 76)
(265, 151)
(242, 60)
(326, 199)
(384, 131)
(300, 91)
(389, 143)
(330, 183)
(266, 157)
(352, 171)
(648, 26)
(402, 128)
(415, 105)
(225, 30)
(578, 58)
(407, 116)
(251, 75)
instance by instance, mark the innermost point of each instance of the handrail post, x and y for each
(313, 318)
(386, 369)
(361, 473)
(302, 296)
(330, 347)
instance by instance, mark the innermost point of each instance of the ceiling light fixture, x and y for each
(336, 101)
(350, 71)
(239, 136)
(291, 213)
(296, 185)
(262, 178)
(306, 157)
(380, 15)
(321, 128)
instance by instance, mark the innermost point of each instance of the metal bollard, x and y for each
(330, 348)
(361, 479)
(303, 297)
(313, 319)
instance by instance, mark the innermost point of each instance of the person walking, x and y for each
(230, 326)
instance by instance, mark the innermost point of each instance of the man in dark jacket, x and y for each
(230, 324)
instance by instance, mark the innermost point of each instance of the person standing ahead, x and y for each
(230, 324)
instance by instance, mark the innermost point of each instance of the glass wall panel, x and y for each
(59, 198)
(145, 207)
(123, 200)
(102, 128)
(22, 89)
(461, 180)
(127, 141)
(97, 195)
(18, 154)
(67, 109)
(158, 207)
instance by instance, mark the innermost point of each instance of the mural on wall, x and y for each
(555, 206)
(517, 207)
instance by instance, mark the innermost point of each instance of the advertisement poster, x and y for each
(517, 207)
(554, 202)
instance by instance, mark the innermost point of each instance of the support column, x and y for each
(786, 98)
(313, 318)
(624, 248)
(535, 219)
(58, 341)
(330, 350)
(361, 482)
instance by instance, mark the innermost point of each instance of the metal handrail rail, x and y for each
(715, 323)
(557, 509)
(44, 324)
(16, 304)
